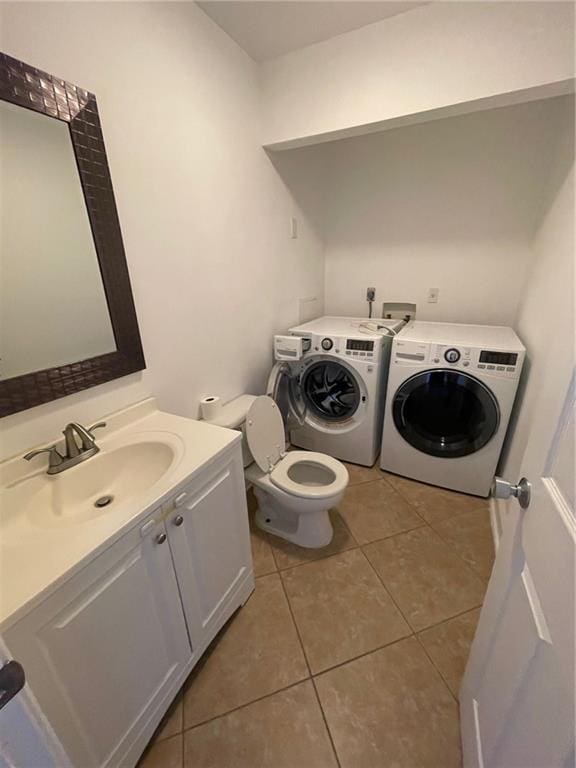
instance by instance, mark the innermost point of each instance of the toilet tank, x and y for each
(233, 416)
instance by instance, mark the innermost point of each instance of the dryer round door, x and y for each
(330, 391)
(445, 413)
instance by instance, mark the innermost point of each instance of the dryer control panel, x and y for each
(470, 359)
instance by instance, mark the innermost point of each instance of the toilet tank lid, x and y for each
(233, 414)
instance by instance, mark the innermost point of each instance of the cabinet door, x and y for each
(210, 541)
(107, 649)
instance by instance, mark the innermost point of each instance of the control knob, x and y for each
(327, 344)
(452, 355)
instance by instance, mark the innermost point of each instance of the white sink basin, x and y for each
(111, 478)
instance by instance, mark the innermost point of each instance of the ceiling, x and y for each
(266, 29)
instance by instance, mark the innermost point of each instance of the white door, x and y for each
(517, 696)
(108, 650)
(210, 542)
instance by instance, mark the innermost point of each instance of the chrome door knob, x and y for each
(178, 520)
(161, 538)
(502, 489)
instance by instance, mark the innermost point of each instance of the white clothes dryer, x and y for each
(450, 393)
(332, 397)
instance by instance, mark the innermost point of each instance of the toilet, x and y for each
(294, 490)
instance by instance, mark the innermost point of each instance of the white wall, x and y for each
(205, 215)
(53, 308)
(450, 204)
(438, 59)
(546, 319)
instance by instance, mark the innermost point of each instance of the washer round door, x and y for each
(283, 388)
(330, 391)
(445, 413)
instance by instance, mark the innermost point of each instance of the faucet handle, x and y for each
(98, 425)
(54, 458)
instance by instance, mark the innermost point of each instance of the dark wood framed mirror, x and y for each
(68, 317)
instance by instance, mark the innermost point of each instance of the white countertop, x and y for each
(35, 559)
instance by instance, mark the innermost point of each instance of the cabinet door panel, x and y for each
(211, 547)
(106, 648)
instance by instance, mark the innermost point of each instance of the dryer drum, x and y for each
(445, 413)
(330, 391)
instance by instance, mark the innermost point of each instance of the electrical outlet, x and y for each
(370, 294)
(433, 295)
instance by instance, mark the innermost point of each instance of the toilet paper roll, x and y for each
(209, 407)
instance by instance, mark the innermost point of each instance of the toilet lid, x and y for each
(265, 432)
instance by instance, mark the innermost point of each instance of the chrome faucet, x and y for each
(74, 453)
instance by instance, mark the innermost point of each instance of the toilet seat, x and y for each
(280, 475)
(321, 475)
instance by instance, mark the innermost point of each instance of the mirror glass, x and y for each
(53, 308)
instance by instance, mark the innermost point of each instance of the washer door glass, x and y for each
(445, 413)
(330, 391)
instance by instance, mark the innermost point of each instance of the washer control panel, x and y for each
(450, 355)
(473, 359)
(361, 350)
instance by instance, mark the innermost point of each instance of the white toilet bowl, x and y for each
(294, 498)
(294, 490)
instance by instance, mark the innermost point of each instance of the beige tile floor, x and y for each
(348, 656)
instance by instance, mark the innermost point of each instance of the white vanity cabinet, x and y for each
(107, 651)
(210, 542)
(103, 651)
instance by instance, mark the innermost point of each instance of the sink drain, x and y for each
(103, 501)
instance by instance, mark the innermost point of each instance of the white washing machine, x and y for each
(450, 394)
(330, 381)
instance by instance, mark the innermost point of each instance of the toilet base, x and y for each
(309, 529)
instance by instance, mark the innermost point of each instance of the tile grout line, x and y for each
(390, 595)
(362, 655)
(318, 559)
(295, 625)
(243, 706)
(258, 698)
(414, 632)
(447, 490)
(325, 721)
(311, 677)
(430, 626)
(358, 545)
(417, 635)
(431, 660)
(386, 589)
(450, 618)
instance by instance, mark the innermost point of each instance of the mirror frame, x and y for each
(31, 88)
